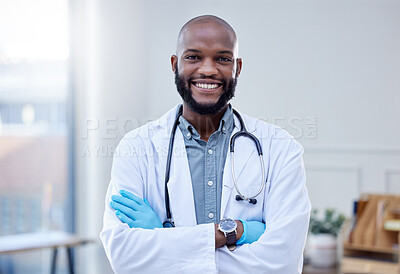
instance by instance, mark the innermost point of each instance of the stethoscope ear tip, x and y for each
(239, 198)
(253, 201)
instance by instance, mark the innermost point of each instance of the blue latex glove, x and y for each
(133, 211)
(252, 231)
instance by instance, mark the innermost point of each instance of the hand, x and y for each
(134, 211)
(252, 231)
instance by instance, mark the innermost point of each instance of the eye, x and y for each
(192, 57)
(224, 59)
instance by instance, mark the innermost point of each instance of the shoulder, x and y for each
(142, 138)
(273, 136)
(149, 130)
(280, 149)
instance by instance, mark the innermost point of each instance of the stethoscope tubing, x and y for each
(169, 222)
(243, 132)
(248, 199)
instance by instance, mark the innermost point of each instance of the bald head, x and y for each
(206, 20)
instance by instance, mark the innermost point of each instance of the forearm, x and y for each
(286, 212)
(279, 249)
(138, 250)
(190, 248)
(220, 239)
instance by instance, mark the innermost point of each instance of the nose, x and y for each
(208, 67)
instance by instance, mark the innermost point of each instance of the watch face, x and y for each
(227, 225)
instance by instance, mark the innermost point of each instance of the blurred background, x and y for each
(75, 76)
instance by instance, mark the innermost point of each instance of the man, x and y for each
(267, 233)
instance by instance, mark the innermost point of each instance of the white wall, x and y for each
(325, 70)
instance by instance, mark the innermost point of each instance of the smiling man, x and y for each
(207, 68)
(195, 209)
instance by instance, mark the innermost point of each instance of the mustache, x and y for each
(203, 77)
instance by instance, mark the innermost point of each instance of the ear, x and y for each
(238, 66)
(174, 62)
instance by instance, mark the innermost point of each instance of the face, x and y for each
(206, 67)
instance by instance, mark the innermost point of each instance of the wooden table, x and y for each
(42, 240)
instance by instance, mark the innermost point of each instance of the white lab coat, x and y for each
(139, 166)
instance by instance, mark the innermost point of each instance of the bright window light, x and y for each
(33, 30)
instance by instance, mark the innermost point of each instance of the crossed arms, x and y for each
(200, 248)
(137, 213)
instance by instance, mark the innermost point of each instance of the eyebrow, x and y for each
(219, 52)
(194, 50)
(225, 52)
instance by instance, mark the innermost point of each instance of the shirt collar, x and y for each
(225, 125)
(187, 129)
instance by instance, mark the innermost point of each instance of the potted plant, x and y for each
(323, 237)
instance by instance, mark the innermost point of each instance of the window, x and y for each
(33, 120)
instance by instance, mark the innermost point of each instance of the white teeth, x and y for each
(206, 86)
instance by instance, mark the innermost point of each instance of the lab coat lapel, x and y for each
(244, 148)
(180, 185)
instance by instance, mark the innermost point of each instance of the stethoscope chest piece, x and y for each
(168, 224)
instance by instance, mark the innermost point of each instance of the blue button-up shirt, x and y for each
(206, 163)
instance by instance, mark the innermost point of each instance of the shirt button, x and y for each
(211, 215)
(210, 183)
(210, 151)
(188, 134)
(223, 129)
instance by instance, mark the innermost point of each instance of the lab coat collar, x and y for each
(249, 123)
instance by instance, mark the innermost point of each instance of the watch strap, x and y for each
(231, 238)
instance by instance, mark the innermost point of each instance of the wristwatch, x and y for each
(228, 227)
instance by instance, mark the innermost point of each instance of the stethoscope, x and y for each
(239, 197)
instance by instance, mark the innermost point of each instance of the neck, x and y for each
(205, 125)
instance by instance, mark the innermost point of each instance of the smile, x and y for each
(207, 85)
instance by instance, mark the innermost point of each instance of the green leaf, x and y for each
(330, 223)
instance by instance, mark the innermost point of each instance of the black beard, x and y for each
(204, 109)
